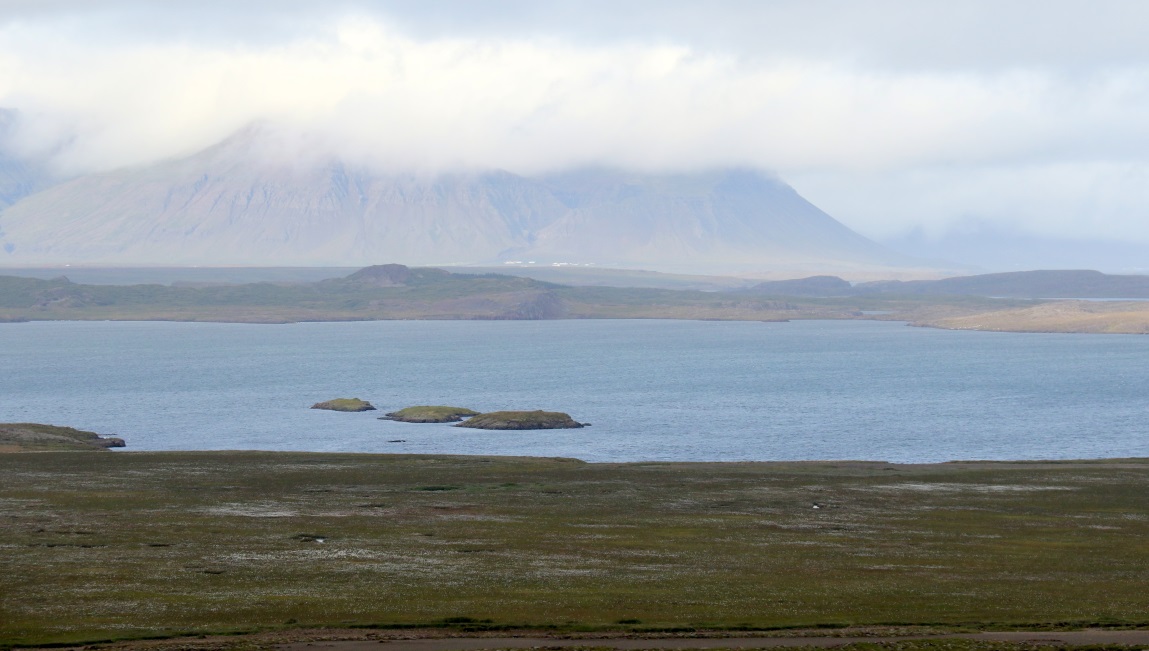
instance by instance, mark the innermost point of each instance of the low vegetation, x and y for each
(104, 546)
(522, 420)
(35, 437)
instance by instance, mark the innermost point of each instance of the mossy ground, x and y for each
(431, 414)
(521, 420)
(128, 544)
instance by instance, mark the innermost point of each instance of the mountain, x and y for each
(740, 217)
(19, 176)
(227, 205)
(1002, 249)
(232, 204)
(812, 286)
(1021, 284)
(18, 179)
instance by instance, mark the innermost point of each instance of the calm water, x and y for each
(654, 390)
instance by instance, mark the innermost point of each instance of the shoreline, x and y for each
(832, 463)
(1017, 321)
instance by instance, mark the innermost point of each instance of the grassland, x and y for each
(101, 546)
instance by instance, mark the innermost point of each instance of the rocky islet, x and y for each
(462, 416)
(522, 420)
(430, 414)
(344, 404)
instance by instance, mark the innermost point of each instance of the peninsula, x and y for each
(37, 437)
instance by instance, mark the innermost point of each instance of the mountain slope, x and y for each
(226, 205)
(738, 218)
(19, 177)
(233, 204)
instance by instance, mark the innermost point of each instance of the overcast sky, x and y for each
(893, 116)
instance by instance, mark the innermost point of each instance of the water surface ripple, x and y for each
(653, 390)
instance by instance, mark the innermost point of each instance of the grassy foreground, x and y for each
(100, 546)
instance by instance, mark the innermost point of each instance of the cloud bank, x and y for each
(893, 116)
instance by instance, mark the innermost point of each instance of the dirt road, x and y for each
(1133, 638)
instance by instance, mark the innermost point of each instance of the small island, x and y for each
(522, 420)
(36, 437)
(430, 414)
(344, 404)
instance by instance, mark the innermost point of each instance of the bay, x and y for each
(653, 390)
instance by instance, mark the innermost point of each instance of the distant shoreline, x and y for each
(397, 292)
(1124, 322)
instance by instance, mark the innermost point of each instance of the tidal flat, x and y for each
(100, 546)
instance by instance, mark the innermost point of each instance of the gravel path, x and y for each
(1138, 637)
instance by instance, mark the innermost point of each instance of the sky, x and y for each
(908, 120)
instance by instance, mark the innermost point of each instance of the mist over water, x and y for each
(653, 390)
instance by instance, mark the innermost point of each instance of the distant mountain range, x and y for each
(1003, 249)
(233, 205)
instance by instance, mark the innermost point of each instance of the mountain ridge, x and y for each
(245, 201)
(1036, 284)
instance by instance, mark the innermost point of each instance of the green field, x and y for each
(120, 545)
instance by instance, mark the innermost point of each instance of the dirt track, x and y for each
(1135, 638)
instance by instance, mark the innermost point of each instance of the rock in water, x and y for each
(430, 414)
(344, 404)
(522, 420)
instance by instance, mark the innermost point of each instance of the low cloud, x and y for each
(1067, 200)
(885, 147)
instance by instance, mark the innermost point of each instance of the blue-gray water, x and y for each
(653, 390)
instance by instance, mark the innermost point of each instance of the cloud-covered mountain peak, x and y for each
(269, 196)
(20, 176)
